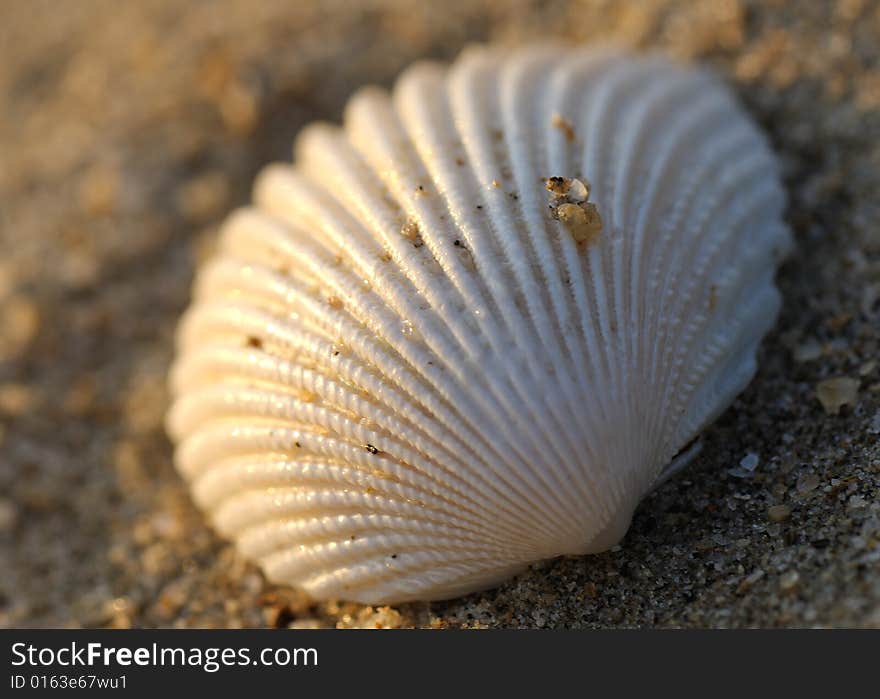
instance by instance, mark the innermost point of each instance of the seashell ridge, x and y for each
(474, 326)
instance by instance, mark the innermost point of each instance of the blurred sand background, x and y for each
(128, 130)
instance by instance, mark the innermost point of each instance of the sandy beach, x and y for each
(128, 132)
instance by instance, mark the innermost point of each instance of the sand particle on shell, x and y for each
(564, 125)
(570, 206)
(582, 221)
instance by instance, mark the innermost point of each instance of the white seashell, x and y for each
(403, 377)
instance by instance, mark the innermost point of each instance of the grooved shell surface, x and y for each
(405, 376)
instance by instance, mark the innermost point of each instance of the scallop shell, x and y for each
(409, 371)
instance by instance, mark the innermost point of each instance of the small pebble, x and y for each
(579, 192)
(778, 513)
(856, 502)
(16, 399)
(156, 560)
(203, 197)
(276, 616)
(99, 190)
(80, 398)
(583, 222)
(837, 392)
(789, 580)
(8, 515)
(20, 323)
(808, 483)
(808, 351)
(306, 624)
(252, 583)
(750, 461)
(747, 582)
(239, 108)
(746, 467)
